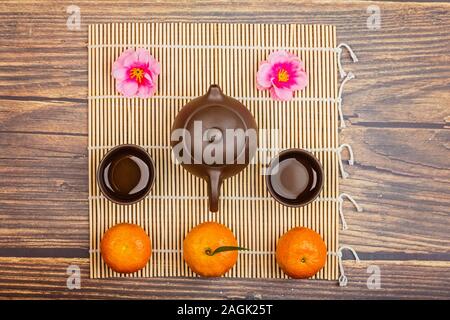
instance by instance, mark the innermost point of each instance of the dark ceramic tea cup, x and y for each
(126, 174)
(294, 177)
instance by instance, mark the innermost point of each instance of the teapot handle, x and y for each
(214, 184)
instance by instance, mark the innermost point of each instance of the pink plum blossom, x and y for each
(282, 74)
(136, 73)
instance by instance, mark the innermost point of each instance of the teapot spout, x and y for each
(214, 184)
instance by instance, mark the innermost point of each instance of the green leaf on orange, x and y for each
(209, 252)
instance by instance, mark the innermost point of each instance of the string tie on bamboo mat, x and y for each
(349, 77)
(351, 161)
(343, 280)
(341, 208)
(339, 51)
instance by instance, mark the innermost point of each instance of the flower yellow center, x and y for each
(138, 74)
(283, 75)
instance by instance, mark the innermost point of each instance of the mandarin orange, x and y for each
(200, 244)
(126, 248)
(301, 252)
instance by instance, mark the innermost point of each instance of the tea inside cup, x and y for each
(126, 174)
(294, 177)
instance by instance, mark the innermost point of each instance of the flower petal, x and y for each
(130, 59)
(120, 73)
(281, 94)
(263, 76)
(300, 65)
(149, 78)
(143, 92)
(149, 91)
(124, 55)
(301, 81)
(127, 88)
(154, 66)
(278, 56)
(153, 89)
(143, 55)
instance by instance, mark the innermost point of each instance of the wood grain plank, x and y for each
(46, 278)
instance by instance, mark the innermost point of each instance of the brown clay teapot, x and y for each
(214, 137)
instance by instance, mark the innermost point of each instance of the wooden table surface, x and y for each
(397, 112)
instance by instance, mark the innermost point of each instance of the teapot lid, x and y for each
(218, 127)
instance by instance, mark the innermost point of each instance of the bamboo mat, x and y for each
(192, 57)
